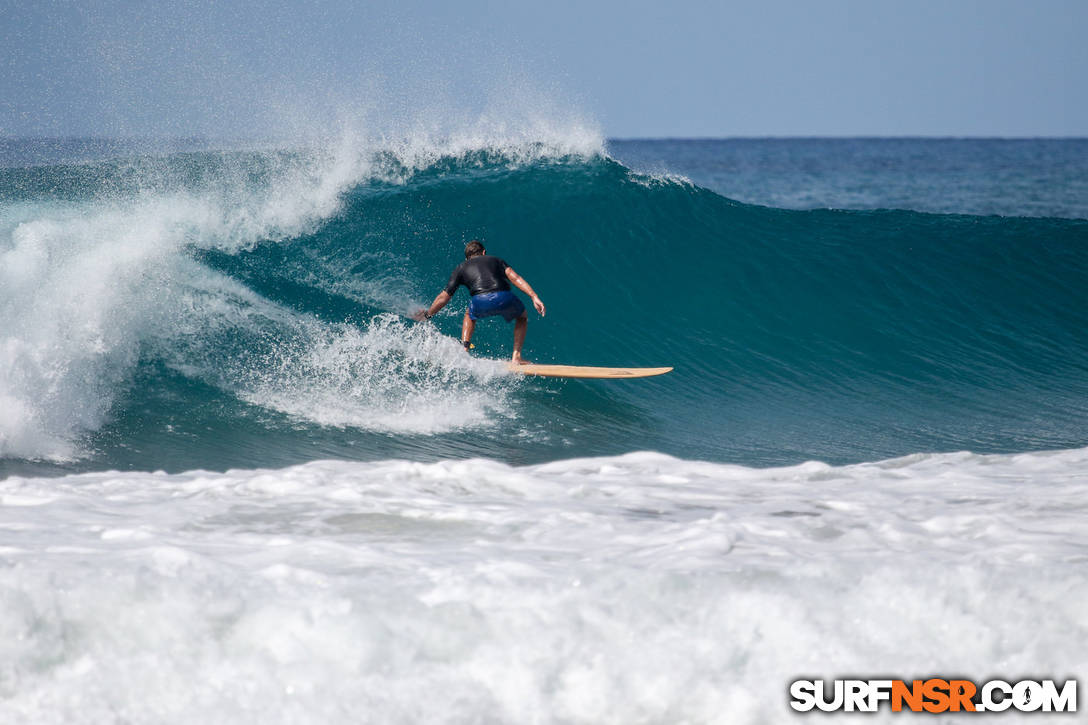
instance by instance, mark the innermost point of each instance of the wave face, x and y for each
(215, 310)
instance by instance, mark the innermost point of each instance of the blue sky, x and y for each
(636, 69)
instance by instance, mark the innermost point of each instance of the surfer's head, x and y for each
(473, 248)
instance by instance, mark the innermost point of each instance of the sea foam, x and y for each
(638, 588)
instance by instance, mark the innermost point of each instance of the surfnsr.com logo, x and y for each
(934, 695)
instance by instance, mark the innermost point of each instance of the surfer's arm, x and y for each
(439, 302)
(522, 285)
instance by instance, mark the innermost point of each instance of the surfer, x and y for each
(488, 280)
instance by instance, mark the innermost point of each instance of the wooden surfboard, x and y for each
(581, 371)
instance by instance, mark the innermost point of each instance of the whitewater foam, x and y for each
(387, 377)
(639, 588)
(81, 289)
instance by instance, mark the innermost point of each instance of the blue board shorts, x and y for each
(503, 303)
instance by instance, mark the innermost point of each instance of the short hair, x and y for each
(473, 248)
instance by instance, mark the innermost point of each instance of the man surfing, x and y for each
(488, 280)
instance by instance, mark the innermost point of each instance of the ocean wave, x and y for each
(261, 290)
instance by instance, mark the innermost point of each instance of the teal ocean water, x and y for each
(239, 484)
(207, 309)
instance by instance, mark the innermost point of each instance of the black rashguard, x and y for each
(482, 273)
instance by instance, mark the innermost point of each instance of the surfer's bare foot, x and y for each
(518, 360)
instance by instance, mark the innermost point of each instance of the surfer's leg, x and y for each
(520, 327)
(468, 326)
